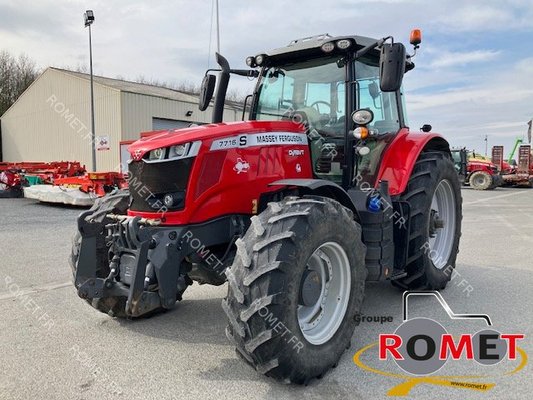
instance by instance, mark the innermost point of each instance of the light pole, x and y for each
(88, 17)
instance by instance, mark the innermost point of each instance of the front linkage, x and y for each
(145, 264)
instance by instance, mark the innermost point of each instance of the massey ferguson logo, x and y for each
(137, 154)
(241, 166)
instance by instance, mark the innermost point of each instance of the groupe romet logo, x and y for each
(422, 346)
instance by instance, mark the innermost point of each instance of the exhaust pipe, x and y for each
(218, 111)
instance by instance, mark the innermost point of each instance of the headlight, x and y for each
(363, 116)
(260, 59)
(343, 44)
(172, 200)
(157, 154)
(250, 61)
(328, 47)
(179, 150)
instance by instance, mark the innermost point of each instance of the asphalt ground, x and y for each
(54, 346)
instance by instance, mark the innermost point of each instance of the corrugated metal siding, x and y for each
(51, 121)
(138, 111)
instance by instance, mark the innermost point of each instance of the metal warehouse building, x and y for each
(51, 119)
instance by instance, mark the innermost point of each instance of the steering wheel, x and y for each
(316, 103)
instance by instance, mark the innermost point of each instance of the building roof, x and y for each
(135, 87)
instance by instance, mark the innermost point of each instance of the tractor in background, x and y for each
(322, 189)
(479, 174)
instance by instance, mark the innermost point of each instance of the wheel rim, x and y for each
(3, 181)
(442, 224)
(480, 180)
(324, 300)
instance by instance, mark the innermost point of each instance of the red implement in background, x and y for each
(98, 183)
(522, 174)
(15, 175)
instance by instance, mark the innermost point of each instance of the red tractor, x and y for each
(323, 189)
(478, 174)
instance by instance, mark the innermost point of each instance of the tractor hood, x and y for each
(204, 133)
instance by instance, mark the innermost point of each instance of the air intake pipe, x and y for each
(218, 111)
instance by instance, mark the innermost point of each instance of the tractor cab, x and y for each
(321, 83)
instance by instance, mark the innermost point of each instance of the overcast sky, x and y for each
(473, 75)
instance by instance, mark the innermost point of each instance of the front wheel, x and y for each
(434, 197)
(295, 287)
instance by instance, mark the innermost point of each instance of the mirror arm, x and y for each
(250, 73)
(364, 50)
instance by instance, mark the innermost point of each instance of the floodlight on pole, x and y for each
(88, 18)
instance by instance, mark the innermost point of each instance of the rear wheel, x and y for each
(481, 180)
(434, 196)
(295, 287)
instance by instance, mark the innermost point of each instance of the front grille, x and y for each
(149, 182)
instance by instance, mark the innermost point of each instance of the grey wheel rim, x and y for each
(442, 224)
(323, 309)
(480, 180)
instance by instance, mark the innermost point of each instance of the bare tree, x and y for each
(15, 77)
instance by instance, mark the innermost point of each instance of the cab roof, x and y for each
(311, 45)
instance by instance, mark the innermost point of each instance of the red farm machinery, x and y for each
(515, 174)
(15, 176)
(322, 189)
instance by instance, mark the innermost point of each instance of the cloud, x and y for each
(454, 59)
(486, 15)
(169, 40)
(495, 102)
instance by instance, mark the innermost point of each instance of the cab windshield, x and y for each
(315, 88)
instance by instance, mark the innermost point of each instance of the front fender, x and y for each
(320, 187)
(401, 155)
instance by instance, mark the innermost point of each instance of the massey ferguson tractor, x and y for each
(322, 189)
(479, 174)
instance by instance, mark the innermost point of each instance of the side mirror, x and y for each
(391, 66)
(206, 91)
(426, 128)
(373, 90)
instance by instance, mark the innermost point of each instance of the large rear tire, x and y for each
(434, 196)
(295, 287)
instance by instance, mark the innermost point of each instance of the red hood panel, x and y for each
(210, 131)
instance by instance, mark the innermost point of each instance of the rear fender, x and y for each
(401, 155)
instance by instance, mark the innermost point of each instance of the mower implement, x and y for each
(322, 189)
(16, 176)
(80, 190)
